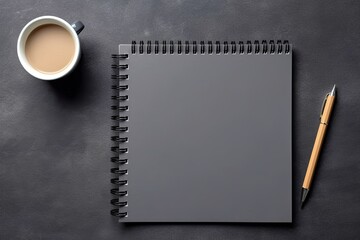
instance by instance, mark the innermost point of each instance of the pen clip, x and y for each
(323, 105)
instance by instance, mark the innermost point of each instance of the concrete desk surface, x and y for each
(55, 136)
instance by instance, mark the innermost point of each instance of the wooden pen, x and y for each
(324, 120)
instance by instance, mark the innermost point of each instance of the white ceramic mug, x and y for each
(74, 29)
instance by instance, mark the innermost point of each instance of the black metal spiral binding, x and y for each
(241, 47)
(156, 47)
(179, 46)
(255, 47)
(233, 47)
(187, 47)
(265, 46)
(218, 47)
(202, 47)
(141, 47)
(210, 47)
(120, 118)
(272, 46)
(226, 47)
(171, 47)
(164, 47)
(194, 47)
(249, 47)
(148, 48)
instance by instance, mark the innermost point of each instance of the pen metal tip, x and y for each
(333, 91)
(304, 193)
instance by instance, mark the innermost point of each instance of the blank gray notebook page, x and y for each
(209, 136)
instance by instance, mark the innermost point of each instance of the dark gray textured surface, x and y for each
(54, 140)
(209, 137)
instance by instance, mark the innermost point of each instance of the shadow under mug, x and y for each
(74, 29)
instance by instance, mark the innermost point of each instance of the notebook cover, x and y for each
(209, 135)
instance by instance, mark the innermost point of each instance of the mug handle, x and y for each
(78, 26)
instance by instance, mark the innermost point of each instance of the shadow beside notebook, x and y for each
(193, 229)
(131, 226)
(295, 161)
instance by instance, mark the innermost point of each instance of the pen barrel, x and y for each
(325, 116)
(314, 155)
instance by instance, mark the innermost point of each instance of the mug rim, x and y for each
(21, 47)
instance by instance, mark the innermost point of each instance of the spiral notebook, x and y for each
(202, 132)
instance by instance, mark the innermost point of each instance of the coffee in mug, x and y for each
(49, 48)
